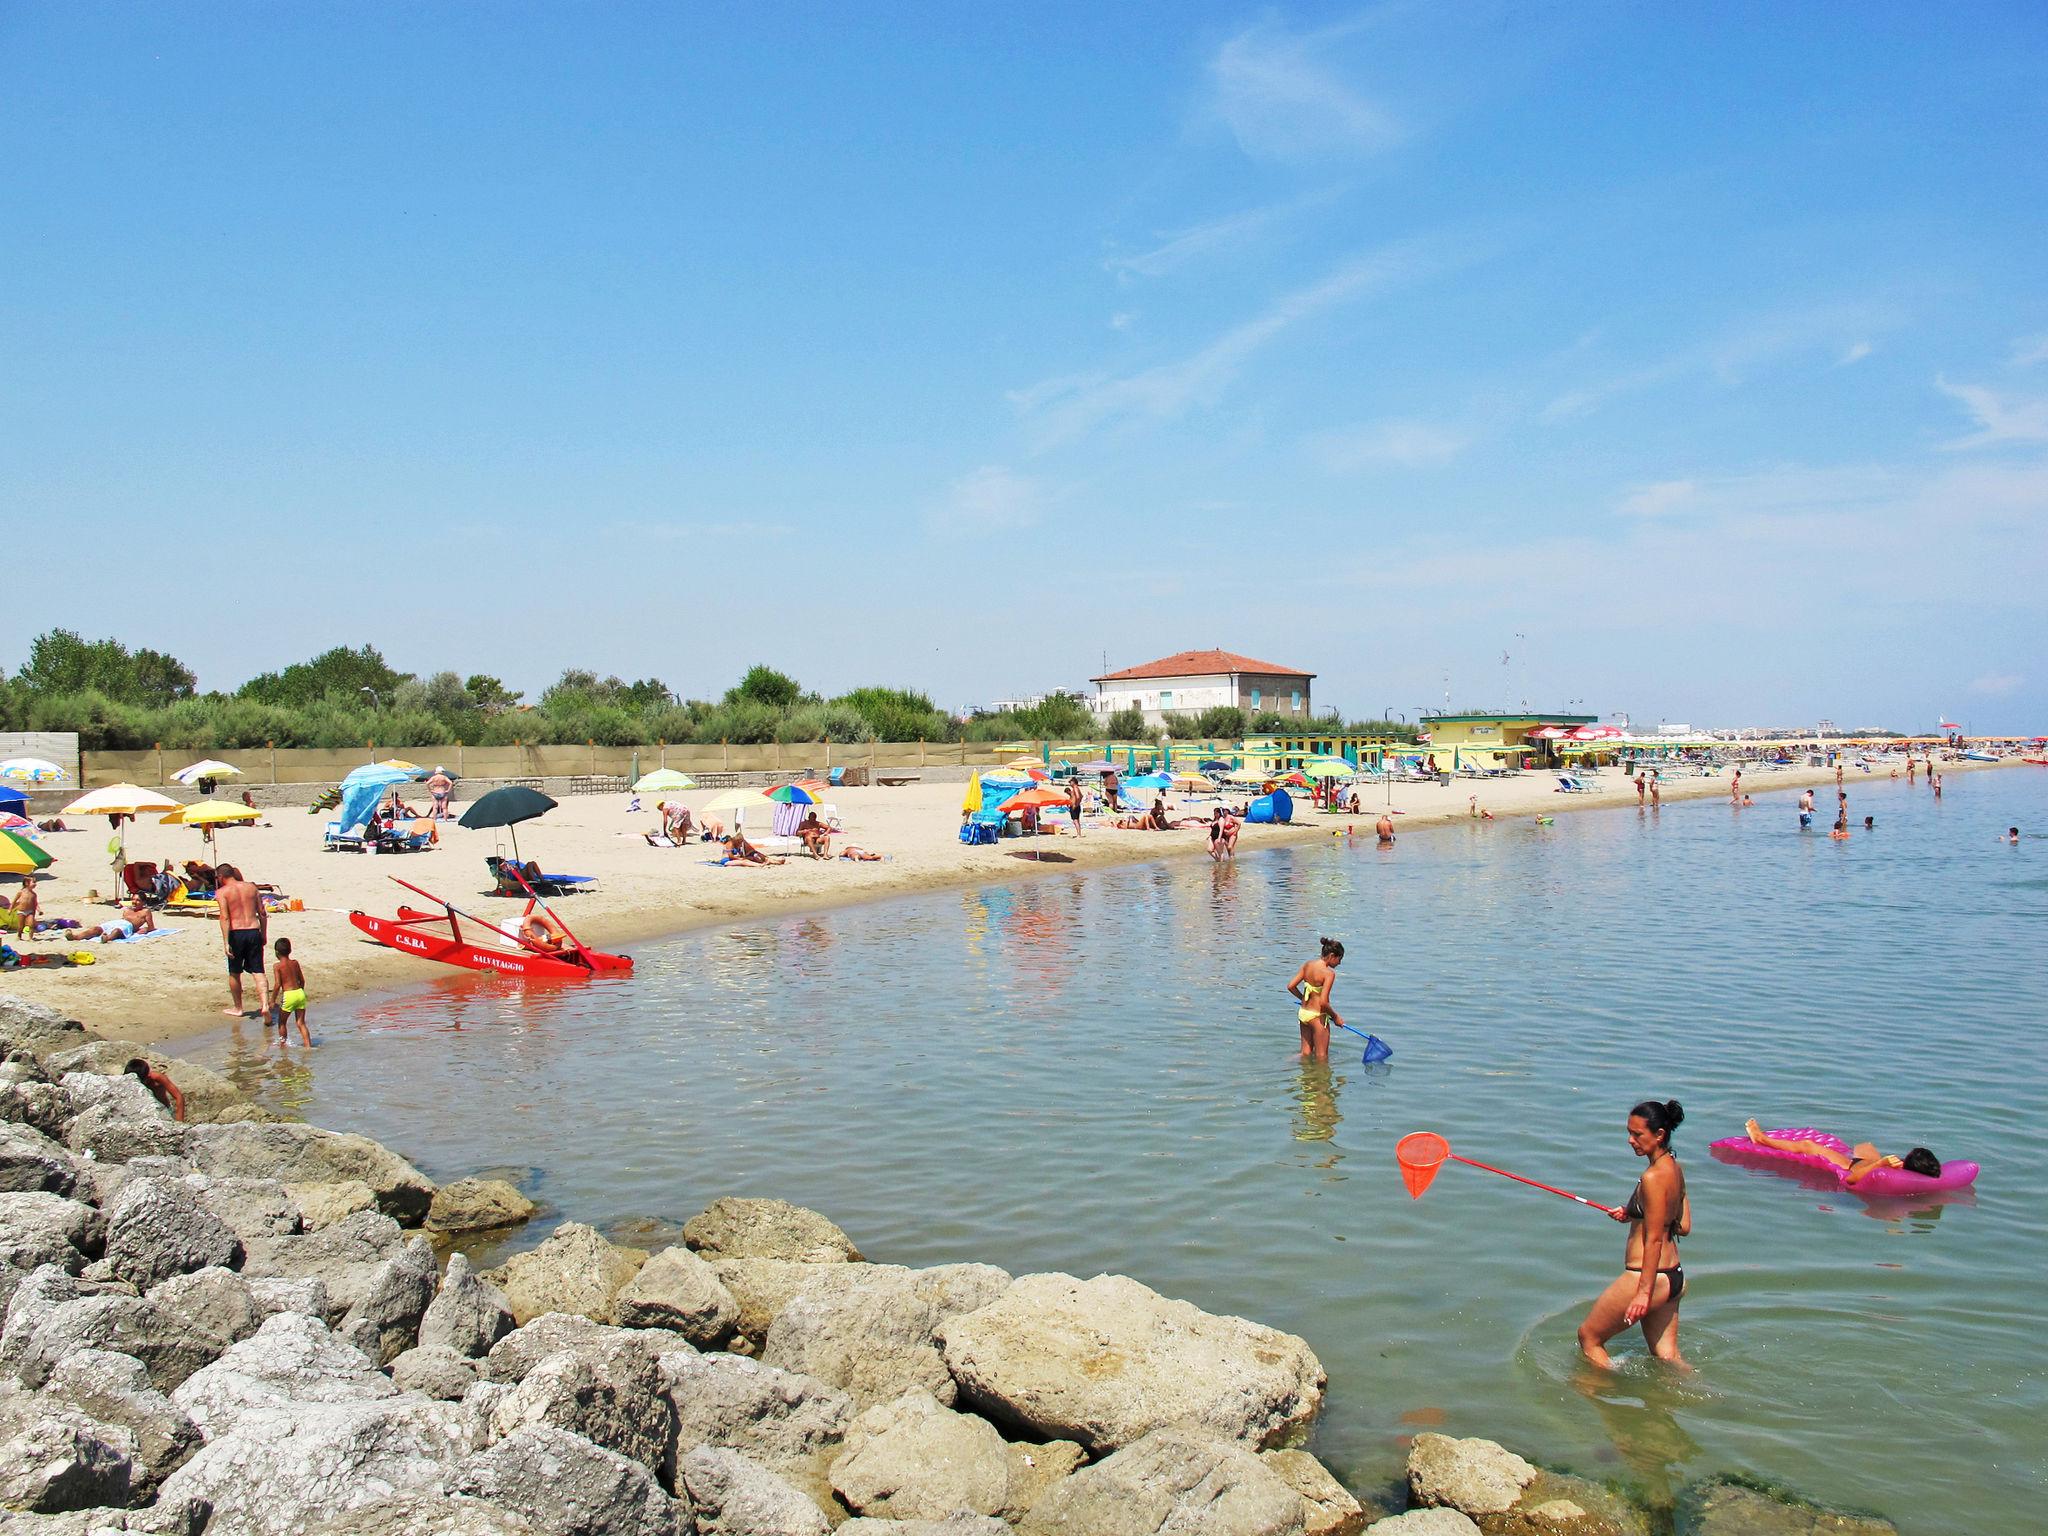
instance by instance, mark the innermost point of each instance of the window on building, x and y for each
(1297, 701)
(1255, 698)
(1166, 698)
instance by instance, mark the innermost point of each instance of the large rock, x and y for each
(1036, 1468)
(308, 1296)
(956, 1525)
(171, 1348)
(733, 1228)
(345, 1258)
(292, 1361)
(115, 1389)
(478, 1205)
(157, 1229)
(53, 1458)
(515, 1355)
(1556, 1504)
(736, 1497)
(1424, 1522)
(43, 1107)
(780, 1419)
(29, 1160)
(427, 1514)
(435, 1371)
(394, 1300)
(568, 1486)
(761, 1288)
(1332, 1511)
(915, 1459)
(466, 1315)
(612, 1397)
(284, 1471)
(255, 1208)
(575, 1270)
(677, 1290)
(36, 1028)
(1719, 1508)
(116, 1119)
(305, 1154)
(218, 1300)
(878, 1336)
(38, 1228)
(322, 1205)
(1475, 1477)
(1173, 1480)
(208, 1095)
(1105, 1361)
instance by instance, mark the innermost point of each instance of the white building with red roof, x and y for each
(1189, 682)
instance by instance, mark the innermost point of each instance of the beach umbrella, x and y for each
(9, 822)
(739, 802)
(506, 806)
(19, 856)
(1097, 766)
(971, 801)
(1595, 733)
(1186, 780)
(120, 800)
(13, 800)
(1148, 781)
(1328, 768)
(662, 781)
(1215, 765)
(1249, 775)
(30, 770)
(1037, 798)
(382, 774)
(208, 814)
(800, 792)
(206, 768)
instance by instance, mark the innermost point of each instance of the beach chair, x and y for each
(836, 778)
(1567, 785)
(982, 827)
(339, 841)
(140, 880)
(417, 838)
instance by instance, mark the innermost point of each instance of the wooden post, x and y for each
(828, 757)
(458, 761)
(159, 764)
(778, 756)
(725, 755)
(920, 751)
(664, 754)
(273, 762)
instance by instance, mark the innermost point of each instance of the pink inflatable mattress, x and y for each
(1886, 1182)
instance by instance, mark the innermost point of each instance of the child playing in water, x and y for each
(288, 986)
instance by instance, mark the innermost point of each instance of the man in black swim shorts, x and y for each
(244, 924)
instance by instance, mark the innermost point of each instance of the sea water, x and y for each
(1097, 1073)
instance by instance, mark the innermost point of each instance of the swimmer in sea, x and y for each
(1385, 828)
(1658, 1214)
(1311, 989)
(1857, 1164)
(1806, 808)
(1841, 828)
(2012, 834)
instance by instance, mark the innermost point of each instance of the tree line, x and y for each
(117, 699)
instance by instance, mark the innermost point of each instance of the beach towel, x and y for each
(154, 933)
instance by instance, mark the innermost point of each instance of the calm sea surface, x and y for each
(1098, 1073)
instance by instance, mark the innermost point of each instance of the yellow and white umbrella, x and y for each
(740, 801)
(207, 815)
(120, 800)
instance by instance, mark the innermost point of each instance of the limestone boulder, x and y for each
(254, 1208)
(168, 1346)
(283, 1471)
(1332, 1511)
(1556, 1504)
(38, 1228)
(115, 1389)
(218, 1300)
(957, 1525)
(308, 1296)
(611, 1397)
(291, 1362)
(467, 1315)
(575, 1270)
(1172, 1480)
(915, 1459)
(677, 1290)
(876, 1336)
(734, 1228)
(478, 1205)
(208, 1094)
(423, 1513)
(1036, 1468)
(36, 1029)
(566, 1485)
(784, 1421)
(42, 1106)
(322, 1205)
(394, 1300)
(1105, 1361)
(518, 1352)
(116, 1119)
(53, 1458)
(345, 1258)
(1719, 1508)
(733, 1496)
(31, 1161)
(305, 1154)
(761, 1288)
(1475, 1477)
(434, 1371)
(157, 1228)
(1424, 1522)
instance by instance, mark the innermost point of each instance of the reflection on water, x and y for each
(1100, 1073)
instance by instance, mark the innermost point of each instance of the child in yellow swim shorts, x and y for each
(288, 986)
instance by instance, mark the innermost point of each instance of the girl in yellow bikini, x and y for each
(1311, 989)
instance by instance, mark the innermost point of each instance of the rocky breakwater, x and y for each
(233, 1327)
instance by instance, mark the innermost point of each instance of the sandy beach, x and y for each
(168, 988)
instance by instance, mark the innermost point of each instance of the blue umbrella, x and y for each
(12, 799)
(383, 775)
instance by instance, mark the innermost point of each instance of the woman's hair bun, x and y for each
(1674, 1113)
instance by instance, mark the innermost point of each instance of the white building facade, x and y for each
(1191, 681)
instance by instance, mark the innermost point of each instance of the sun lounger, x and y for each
(1567, 785)
(339, 841)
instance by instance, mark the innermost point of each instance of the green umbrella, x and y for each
(20, 856)
(662, 780)
(507, 806)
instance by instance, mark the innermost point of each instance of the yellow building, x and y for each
(1496, 740)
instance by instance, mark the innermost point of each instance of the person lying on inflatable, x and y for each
(1856, 1164)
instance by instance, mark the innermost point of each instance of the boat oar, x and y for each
(481, 922)
(1422, 1153)
(537, 900)
(1376, 1049)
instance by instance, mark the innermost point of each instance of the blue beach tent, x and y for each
(1268, 809)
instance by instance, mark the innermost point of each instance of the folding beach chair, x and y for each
(1567, 785)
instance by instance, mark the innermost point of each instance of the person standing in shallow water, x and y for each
(1659, 1214)
(1311, 990)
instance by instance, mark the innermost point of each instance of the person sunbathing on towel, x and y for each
(859, 854)
(135, 918)
(739, 851)
(541, 931)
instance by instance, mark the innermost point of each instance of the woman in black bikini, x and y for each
(1658, 1214)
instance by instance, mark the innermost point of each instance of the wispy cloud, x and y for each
(1282, 101)
(1660, 499)
(1403, 444)
(1855, 354)
(1997, 684)
(991, 499)
(1072, 405)
(2000, 418)
(2029, 350)
(1175, 248)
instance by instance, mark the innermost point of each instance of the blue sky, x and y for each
(1693, 359)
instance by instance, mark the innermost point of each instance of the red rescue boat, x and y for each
(486, 947)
